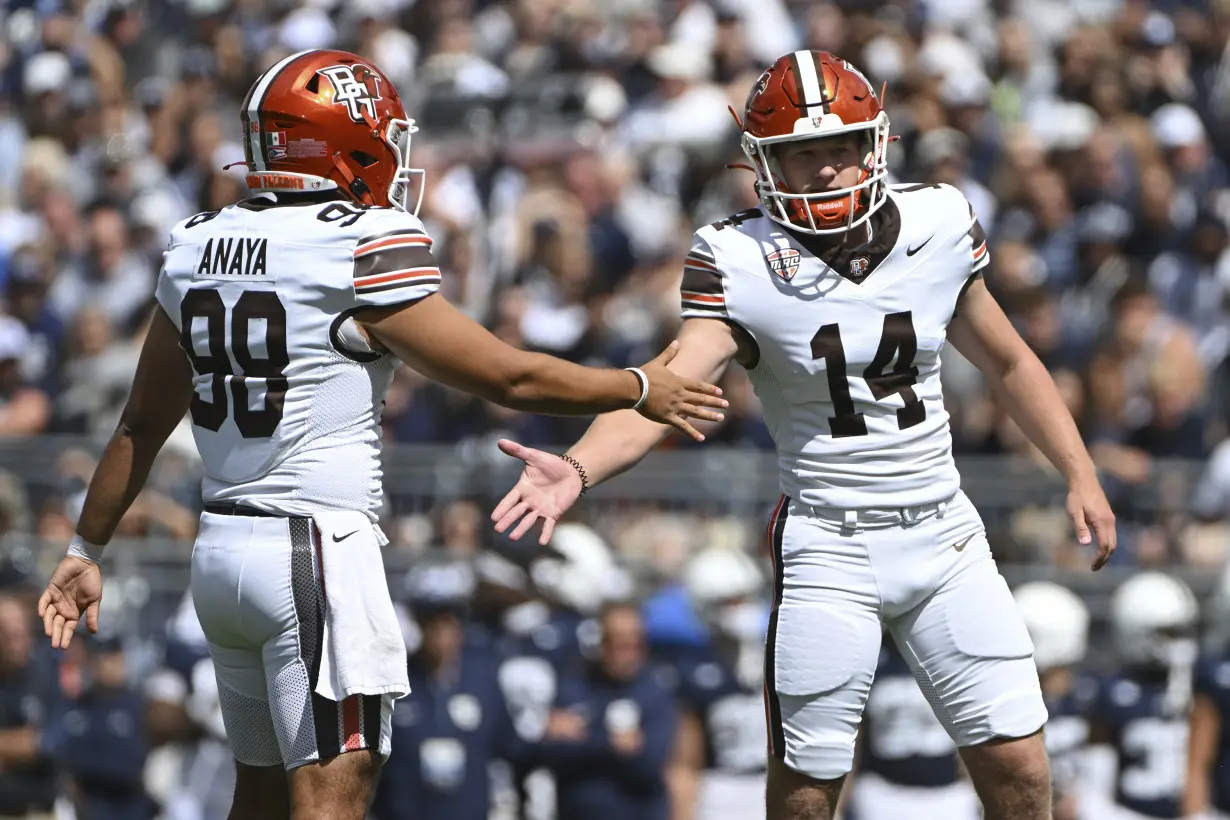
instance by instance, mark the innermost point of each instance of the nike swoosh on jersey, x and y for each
(960, 545)
(912, 251)
(337, 538)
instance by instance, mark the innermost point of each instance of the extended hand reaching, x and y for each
(547, 488)
(673, 399)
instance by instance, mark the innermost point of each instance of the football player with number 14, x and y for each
(279, 324)
(838, 294)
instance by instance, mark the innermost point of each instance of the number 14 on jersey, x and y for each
(898, 346)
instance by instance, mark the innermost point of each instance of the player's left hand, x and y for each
(1090, 511)
(75, 586)
(547, 488)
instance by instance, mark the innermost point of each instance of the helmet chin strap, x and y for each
(355, 186)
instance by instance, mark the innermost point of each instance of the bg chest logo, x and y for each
(784, 262)
(355, 86)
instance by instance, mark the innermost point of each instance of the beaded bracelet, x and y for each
(576, 465)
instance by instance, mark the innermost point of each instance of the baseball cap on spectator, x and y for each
(1176, 125)
(155, 211)
(962, 89)
(884, 59)
(1104, 222)
(21, 30)
(940, 145)
(81, 95)
(605, 99)
(13, 339)
(678, 61)
(1157, 30)
(307, 28)
(944, 55)
(369, 9)
(205, 8)
(46, 72)
(152, 92)
(25, 265)
(491, 567)
(104, 643)
(198, 63)
(434, 587)
(1063, 126)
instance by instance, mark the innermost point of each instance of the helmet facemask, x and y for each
(397, 136)
(823, 212)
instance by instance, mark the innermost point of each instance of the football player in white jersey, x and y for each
(838, 295)
(280, 321)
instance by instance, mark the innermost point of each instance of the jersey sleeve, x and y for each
(975, 241)
(393, 263)
(702, 295)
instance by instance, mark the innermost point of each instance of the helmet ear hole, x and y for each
(364, 159)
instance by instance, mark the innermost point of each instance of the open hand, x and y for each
(674, 399)
(547, 488)
(75, 586)
(1089, 510)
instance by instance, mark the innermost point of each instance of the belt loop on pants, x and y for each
(941, 508)
(908, 515)
(849, 519)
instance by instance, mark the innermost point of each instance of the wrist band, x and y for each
(640, 374)
(80, 548)
(576, 465)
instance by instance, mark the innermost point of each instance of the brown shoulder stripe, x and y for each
(391, 259)
(397, 279)
(976, 234)
(702, 281)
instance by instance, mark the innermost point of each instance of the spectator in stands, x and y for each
(103, 739)
(109, 277)
(28, 701)
(455, 721)
(24, 409)
(609, 735)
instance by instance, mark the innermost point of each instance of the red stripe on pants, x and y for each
(352, 732)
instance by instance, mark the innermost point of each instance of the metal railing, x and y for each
(699, 484)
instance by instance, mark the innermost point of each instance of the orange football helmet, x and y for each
(813, 95)
(323, 119)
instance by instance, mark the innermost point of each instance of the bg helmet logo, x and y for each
(357, 87)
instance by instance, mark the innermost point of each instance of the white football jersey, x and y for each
(848, 366)
(288, 394)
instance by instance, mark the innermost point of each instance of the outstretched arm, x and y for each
(985, 336)
(617, 441)
(444, 344)
(613, 443)
(161, 394)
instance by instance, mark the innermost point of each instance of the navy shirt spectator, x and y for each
(27, 697)
(102, 740)
(455, 721)
(609, 736)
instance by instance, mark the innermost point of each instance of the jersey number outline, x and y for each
(207, 304)
(898, 345)
(1155, 747)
